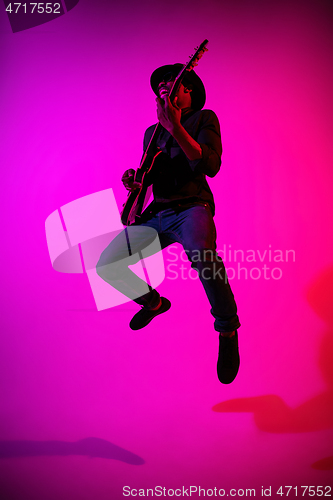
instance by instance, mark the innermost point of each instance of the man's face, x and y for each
(183, 94)
(164, 87)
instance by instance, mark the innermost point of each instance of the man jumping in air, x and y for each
(182, 210)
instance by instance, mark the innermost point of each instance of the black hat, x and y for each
(198, 93)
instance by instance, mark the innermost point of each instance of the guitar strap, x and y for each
(169, 144)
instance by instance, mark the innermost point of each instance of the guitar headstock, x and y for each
(194, 58)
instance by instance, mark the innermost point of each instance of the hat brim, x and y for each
(198, 92)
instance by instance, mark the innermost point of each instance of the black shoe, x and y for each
(143, 317)
(228, 361)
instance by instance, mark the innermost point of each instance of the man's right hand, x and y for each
(128, 180)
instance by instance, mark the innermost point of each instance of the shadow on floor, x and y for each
(91, 447)
(271, 413)
(323, 464)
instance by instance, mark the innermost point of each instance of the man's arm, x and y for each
(169, 117)
(191, 148)
(204, 155)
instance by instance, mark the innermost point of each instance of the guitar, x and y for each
(137, 199)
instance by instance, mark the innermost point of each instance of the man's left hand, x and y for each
(168, 114)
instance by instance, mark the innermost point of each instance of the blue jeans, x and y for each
(193, 227)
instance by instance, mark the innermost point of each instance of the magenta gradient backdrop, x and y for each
(75, 102)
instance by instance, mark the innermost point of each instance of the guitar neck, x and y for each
(151, 148)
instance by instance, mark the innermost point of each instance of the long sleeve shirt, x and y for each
(175, 178)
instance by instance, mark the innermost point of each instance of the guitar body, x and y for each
(138, 199)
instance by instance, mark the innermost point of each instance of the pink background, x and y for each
(75, 102)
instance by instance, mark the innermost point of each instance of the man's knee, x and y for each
(109, 270)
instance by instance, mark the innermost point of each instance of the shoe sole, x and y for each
(166, 304)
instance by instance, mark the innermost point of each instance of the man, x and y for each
(182, 211)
